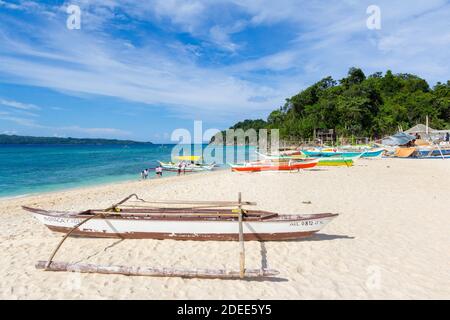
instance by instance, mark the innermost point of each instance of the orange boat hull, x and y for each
(276, 167)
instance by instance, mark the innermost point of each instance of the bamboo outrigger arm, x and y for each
(100, 214)
(49, 262)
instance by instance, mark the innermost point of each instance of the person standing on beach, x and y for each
(179, 168)
(145, 173)
(183, 167)
(159, 171)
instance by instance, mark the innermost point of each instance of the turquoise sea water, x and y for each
(26, 169)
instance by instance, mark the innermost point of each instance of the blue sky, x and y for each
(140, 69)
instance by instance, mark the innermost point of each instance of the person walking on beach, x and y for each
(142, 174)
(447, 137)
(145, 173)
(159, 171)
(183, 167)
(179, 169)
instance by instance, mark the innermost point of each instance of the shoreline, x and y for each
(100, 184)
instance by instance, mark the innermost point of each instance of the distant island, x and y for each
(15, 139)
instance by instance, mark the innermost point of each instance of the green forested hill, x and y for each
(360, 105)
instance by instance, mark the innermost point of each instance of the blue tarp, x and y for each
(398, 139)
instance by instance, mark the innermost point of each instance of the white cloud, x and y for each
(31, 123)
(9, 5)
(9, 132)
(94, 131)
(19, 105)
(21, 117)
(22, 121)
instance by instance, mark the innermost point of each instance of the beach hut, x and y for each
(426, 132)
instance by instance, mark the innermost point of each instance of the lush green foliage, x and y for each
(361, 106)
(13, 139)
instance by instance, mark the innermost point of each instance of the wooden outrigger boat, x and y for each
(373, 153)
(204, 222)
(283, 165)
(335, 162)
(181, 223)
(170, 166)
(193, 164)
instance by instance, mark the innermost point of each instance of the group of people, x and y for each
(158, 172)
(181, 169)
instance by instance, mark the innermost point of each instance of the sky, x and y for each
(141, 69)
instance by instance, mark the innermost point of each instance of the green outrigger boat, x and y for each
(334, 162)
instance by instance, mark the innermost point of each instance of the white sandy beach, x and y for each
(391, 240)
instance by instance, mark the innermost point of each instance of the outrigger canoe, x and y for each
(195, 167)
(181, 223)
(283, 165)
(344, 154)
(341, 154)
(334, 162)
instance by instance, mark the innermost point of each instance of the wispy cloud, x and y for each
(20, 116)
(17, 119)
(32, 123)
(9, 132)
(94, 131)
(19, 105)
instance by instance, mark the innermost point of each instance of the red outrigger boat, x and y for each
(274, 165)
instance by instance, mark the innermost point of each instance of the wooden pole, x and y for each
(442, 155)
(155, 272)
(241, 240)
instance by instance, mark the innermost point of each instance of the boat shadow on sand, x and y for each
(323, 236)
(316, 237)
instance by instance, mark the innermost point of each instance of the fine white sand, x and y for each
(391, 240)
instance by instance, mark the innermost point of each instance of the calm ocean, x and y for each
(26, 169)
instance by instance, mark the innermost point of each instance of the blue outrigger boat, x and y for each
(344, 154)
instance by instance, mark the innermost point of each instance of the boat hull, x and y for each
(175, 168)
(372, 154)
(327, 162)
(277, 166)
(434, 152)
(331, 154)
(282, 227)
(345, 154)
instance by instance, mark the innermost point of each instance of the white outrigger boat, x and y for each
(204, 222)
(192, 223)
(192, 164)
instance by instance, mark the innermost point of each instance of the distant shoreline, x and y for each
(30, 140)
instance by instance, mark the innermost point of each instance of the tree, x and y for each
(354, 76)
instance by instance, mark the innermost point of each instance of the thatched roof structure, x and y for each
(420, 128)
